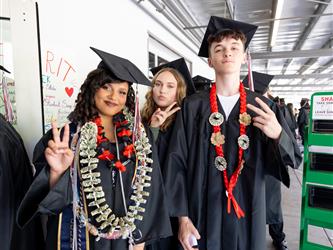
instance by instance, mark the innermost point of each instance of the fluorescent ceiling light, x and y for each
(276, 23)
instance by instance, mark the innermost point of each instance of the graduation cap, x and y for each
(201, 82)
(4, 69)
(261, 81)
(121, 68)
(217, 25)
(179, 65)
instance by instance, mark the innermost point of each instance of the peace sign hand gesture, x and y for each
(159, 116)
(266, 120)
(58, 154)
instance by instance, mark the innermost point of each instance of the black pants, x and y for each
(276, 232)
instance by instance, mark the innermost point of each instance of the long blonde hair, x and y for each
(150, 105)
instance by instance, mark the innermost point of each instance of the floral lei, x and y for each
(111, 225)
(217, 139)
(124, 133)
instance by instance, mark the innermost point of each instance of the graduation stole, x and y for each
(218, 139)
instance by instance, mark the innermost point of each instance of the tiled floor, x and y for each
(291, 206)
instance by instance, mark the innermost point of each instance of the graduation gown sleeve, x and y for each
(40, 199)
(15, 179)
(174, 170)
(156, 207)
(282, 153)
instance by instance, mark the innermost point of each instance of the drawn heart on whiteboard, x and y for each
(69, 91)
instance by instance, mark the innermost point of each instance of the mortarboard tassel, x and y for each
(137, 117)
(249, 71)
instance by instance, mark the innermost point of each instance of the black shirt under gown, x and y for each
(195, 187)
(15, 179)
(41, 200)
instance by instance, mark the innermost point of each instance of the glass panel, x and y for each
(7, 83)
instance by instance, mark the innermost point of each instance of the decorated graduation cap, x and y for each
(217, 25)
(121, 68)
(2, 68)
(179, 65)
(201, 83)
(261, 81)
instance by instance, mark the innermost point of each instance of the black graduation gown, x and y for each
(302, 121)
(195, 187)
(162, 144)
(290, 119)
(41, 200)
(15, 179)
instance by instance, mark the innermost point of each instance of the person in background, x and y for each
(16, 175)
(288, 116)
(170, 84)
(15, 179)
(293, 127)
(100, 184)
(274, 216)
(223, 143)
(303, 117)
(201, 83)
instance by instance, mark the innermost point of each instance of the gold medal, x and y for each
(217, 139)
(245, 119)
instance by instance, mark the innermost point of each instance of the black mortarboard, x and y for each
(4, 69)
(181, 67)
(201, 82)
(219, 24)
(122, 68)
(260, 81)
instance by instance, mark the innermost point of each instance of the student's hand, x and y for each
(266, 120)
(159, 116)
(139, 246)
(58, 154)
(186, 229)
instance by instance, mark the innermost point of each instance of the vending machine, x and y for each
(317, 186)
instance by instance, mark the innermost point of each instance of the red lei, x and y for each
(122, 132)
(231, 183)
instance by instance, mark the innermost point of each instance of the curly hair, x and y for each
(150, 105)
(85, 108)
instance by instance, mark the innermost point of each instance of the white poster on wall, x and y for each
(60, 87)
(322, 107)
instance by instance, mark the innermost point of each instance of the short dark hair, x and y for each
(218, 37)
